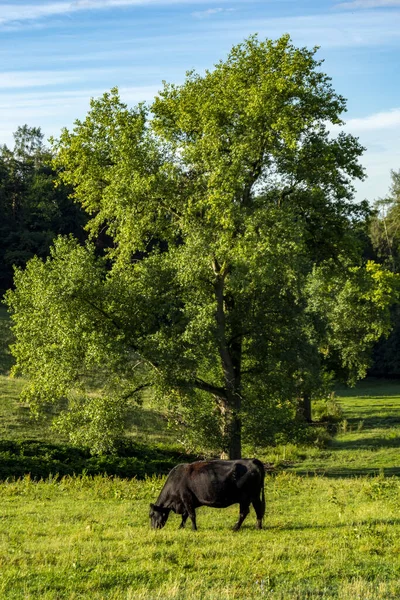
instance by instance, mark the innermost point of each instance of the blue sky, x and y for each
(56, 54)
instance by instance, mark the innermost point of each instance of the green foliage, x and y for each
(328, 409)
(353, 309)
(216, 210)
(30, 445)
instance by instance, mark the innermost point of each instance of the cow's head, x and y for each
(158, 516)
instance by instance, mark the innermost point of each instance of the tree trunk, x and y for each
(231, 430)
(305, 407)
(235, 438)
(230, 353)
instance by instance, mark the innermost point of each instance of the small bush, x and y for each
(40, 460)
(329, 413)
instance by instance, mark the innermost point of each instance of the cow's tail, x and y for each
(260, 467)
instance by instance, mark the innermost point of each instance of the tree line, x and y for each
(34, 210)
(227, 266)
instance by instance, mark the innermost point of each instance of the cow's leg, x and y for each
(184, 519)
(192, 515)
(258, 507)
(244, 511)
(189, 509)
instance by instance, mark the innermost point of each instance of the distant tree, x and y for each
(28, 145)
(33, 209)
(354, 310)
(224, 210)
(385, 238)
(385, 227)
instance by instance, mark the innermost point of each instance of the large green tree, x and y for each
(218, 202)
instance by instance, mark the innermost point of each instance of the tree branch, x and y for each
(120, 328)
(99, 310)
(230, 374)
(133, 392)
(238, 335)
(208, 387)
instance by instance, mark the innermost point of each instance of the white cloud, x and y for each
(377, 121)
(10, 80)
(337, 29)
(24, 79)
(333, 30)
(368, 4)
(204, 14)
(10, 13)
(381, 156)
(379, 133)
(22, 12)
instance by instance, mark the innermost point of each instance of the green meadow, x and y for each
(90, 538)
(331, 530)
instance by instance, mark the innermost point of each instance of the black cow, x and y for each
(216, 483)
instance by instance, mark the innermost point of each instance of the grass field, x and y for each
(90, 538)
(332, 526)
(334, 536)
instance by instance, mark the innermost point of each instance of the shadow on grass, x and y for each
(367, 443)
(343, 472)
(370, 388)
(377, 421)
(369, 523)
(40, 460)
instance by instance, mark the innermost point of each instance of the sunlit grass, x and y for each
(367, 442)
(78, 538)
